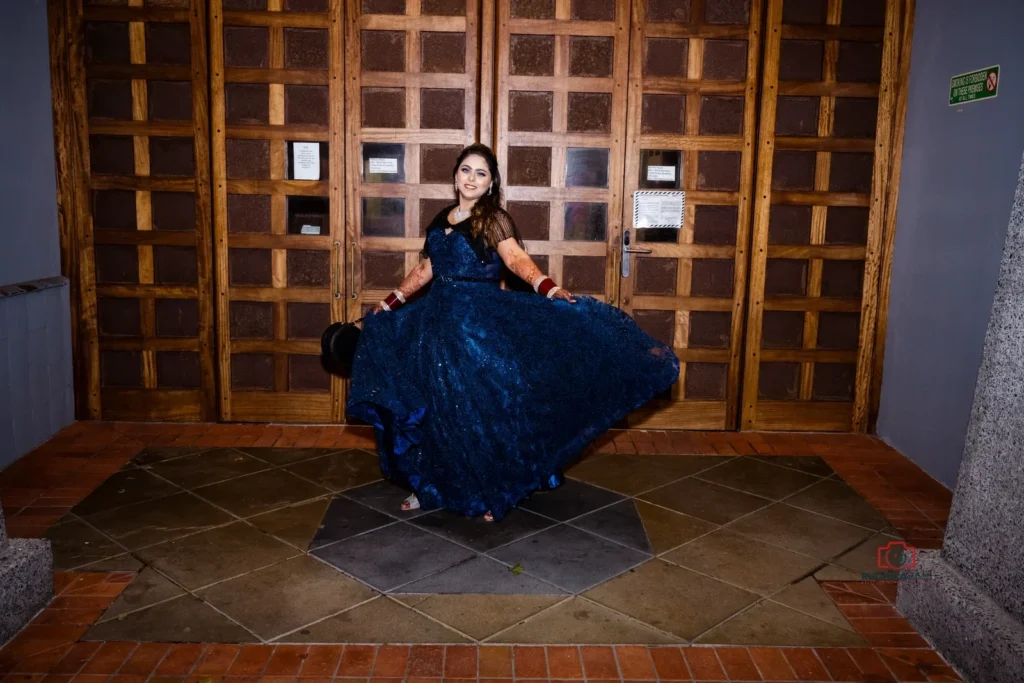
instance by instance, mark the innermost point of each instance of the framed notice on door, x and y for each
(658, 209)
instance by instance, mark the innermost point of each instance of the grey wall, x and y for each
(36, 386)
(28, 218)
(35, 336)
(960, 169)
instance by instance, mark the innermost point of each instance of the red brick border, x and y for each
(48, 651)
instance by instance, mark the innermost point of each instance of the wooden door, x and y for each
(561, 102)
(691, 127)
(413, 103)
(139, 94)
(189, 197)
(277, 74)
(826, 118)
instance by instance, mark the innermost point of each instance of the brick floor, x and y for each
(47, 650)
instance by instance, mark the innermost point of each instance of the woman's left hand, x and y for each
(563, 294)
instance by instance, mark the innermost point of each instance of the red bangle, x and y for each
(392, 301)
(546, 285)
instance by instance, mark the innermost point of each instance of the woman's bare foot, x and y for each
(411, 503)
(488, 517)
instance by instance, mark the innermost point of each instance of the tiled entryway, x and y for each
(690, 556)
(266, 544)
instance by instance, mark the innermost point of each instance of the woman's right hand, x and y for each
(377, 309)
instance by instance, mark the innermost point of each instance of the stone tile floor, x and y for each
(51, 650)
(287, 537)
(631, 549)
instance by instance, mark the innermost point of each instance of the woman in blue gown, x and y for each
(480, 395)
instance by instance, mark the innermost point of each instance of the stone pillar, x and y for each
(26, 580)
(972, 605)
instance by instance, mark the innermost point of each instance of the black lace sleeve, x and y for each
(503, 228)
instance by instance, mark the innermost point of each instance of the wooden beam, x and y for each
(68, 167)
(880, 175)
(762, 209)
(891, 205)
(204, 217)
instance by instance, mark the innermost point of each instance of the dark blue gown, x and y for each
(480, 395)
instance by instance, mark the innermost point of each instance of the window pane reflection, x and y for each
(586, 167)
(383, 162)
(660, 169)
(586, 222)
(308, 216)
(383, 216)
(669, 235)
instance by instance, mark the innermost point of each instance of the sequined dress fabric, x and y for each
(480, 396)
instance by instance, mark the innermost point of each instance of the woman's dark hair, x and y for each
(489, 218)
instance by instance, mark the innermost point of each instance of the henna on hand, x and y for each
(417, 278)
(518, 261)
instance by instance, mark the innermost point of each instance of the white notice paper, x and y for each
(653, 209)
(309, 230)
(661, 173)
(389, 166)
(306, 160)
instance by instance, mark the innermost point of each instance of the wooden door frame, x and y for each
(892, 193)
(75, 184)
(559, 141)
(702, 414)
(478, 124)
(806, 414)
(75, 264)
(278, 405)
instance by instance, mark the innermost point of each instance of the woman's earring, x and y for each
(489, 189)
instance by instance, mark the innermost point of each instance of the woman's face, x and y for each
(473, 178)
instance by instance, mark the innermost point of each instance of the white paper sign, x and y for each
(661, 173)
(388, 166)
(309, 230)
(654, 209)
(306, 160)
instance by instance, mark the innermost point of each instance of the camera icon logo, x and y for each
(897, 555)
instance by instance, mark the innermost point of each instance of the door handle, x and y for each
(337, 270)
(352, 270)
(627, 250)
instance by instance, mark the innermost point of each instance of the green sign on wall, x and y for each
(982, 84)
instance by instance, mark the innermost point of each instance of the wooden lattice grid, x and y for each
(276, 80)
(139, 95)
(413, 96)
(693, 104)
(826, 119)
(560, 123)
